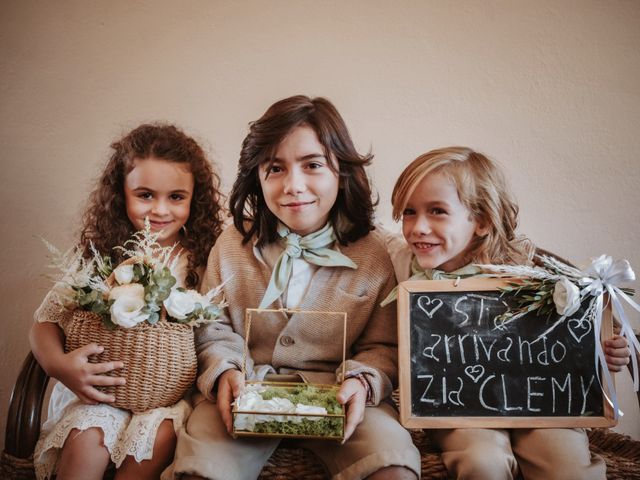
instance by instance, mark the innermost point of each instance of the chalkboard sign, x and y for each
(461, 367)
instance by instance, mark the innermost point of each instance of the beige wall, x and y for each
(551, 89)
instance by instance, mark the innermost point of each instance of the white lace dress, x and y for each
(124, 433)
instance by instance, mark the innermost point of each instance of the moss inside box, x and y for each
(283, 422)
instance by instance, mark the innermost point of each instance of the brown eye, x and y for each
(315, 165)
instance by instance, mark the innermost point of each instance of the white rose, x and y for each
(124, 274)
(126, 311)
(135, 290)
(566, 297)
(179, 304)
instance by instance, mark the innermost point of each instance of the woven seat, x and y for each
(621, 453)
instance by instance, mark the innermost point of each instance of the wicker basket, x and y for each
(159, 360)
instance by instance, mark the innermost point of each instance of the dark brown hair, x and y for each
(105, 221)
(352, 213)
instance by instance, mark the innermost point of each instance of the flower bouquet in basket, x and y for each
(138, 315)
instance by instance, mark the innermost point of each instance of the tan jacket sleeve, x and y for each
(218, 347)
(376, 349)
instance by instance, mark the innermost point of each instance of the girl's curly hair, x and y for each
(105, 222)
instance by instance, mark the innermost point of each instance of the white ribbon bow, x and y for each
(606, 275)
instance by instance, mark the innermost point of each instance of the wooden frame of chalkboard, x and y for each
(460, 367)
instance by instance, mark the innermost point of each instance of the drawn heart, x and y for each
(474, 372)
(579, 328)
(429, 306)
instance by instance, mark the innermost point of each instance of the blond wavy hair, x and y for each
(482, 189)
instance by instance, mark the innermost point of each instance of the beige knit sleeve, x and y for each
(375, 351)
(218, 347)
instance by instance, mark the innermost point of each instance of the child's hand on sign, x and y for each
(617, 353)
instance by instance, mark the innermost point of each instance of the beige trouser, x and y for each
(205, 449)
(540, 453)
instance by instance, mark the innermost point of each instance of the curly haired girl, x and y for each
(156, 173)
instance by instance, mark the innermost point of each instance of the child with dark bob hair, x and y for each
(303, 238)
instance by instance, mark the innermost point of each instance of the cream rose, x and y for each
(124, 274)
(135, 290)
(566, 297)
(179, 304)
(126, 311)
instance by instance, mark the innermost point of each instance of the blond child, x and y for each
(456, 211)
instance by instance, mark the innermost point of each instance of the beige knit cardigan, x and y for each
(308, 344)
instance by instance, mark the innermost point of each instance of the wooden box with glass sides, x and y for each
(289, 409)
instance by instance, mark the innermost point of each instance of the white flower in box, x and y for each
(274, 405)
(286, 408)
(279, 409)
(310, 410)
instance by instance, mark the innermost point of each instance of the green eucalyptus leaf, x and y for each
(153, 318)
(138, 273)
(108, 324)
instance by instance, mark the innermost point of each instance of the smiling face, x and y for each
(160, 190)
(437, 226)
(299, 187)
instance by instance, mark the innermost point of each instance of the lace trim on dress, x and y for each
(124, 433)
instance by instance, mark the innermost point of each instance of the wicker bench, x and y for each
(621, 453)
